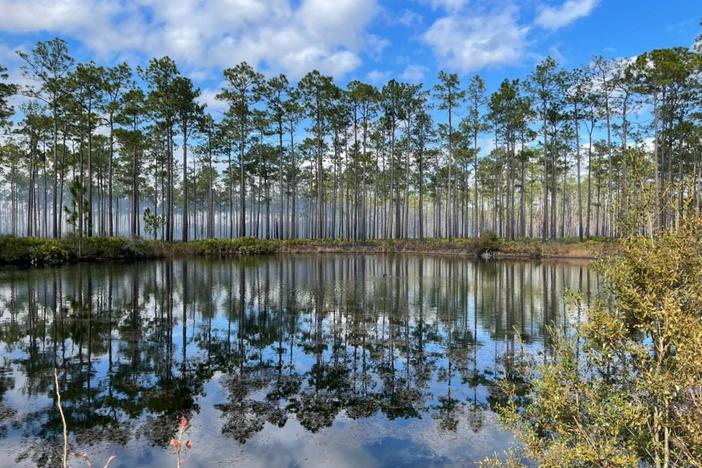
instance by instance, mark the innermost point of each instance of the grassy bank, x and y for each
(498, 248)
(35, 251)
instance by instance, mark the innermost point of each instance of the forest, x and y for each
(317, 358)
(592, 151)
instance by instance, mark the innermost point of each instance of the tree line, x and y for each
(585, 152)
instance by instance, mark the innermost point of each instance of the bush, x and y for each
(33, 251)
(223, 247)
(625, 390)
(118, 247)
(487, 242)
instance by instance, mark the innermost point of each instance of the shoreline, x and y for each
(27, 251)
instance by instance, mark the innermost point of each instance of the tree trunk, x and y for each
(184, 235)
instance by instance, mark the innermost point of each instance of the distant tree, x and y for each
(132, 115)
(87, 82)
(475, 125)
(316, 93)
(189, 114)
(160, 77)
(50, 64)
(450, 96)
(543, 87)
(277, 92)
(243, 89)
(117, 81)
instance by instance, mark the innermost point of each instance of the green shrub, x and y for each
(33, 251)
(487, 242)
(537, 250)
(624, 388)
(223, 247)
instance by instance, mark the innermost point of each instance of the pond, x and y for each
(331, 360)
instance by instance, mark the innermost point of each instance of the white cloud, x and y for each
(558, 17)
(378, 77)
(409, 18)
(375, 45)
(10, 60)
(472, 42)
(448, 5)
(7, 54)
(45, 15)
(209, 98)
(553, 52)
(414, 73)
(278, 35)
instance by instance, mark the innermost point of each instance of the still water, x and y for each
(333, 360)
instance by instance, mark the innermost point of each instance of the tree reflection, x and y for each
(308, 338)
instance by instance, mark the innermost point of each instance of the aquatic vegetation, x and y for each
(82, 455)
(179, 444)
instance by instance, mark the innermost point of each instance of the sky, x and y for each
(369, 40)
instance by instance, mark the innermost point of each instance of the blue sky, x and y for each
(371, 40)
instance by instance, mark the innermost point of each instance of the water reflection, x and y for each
(371, 360)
